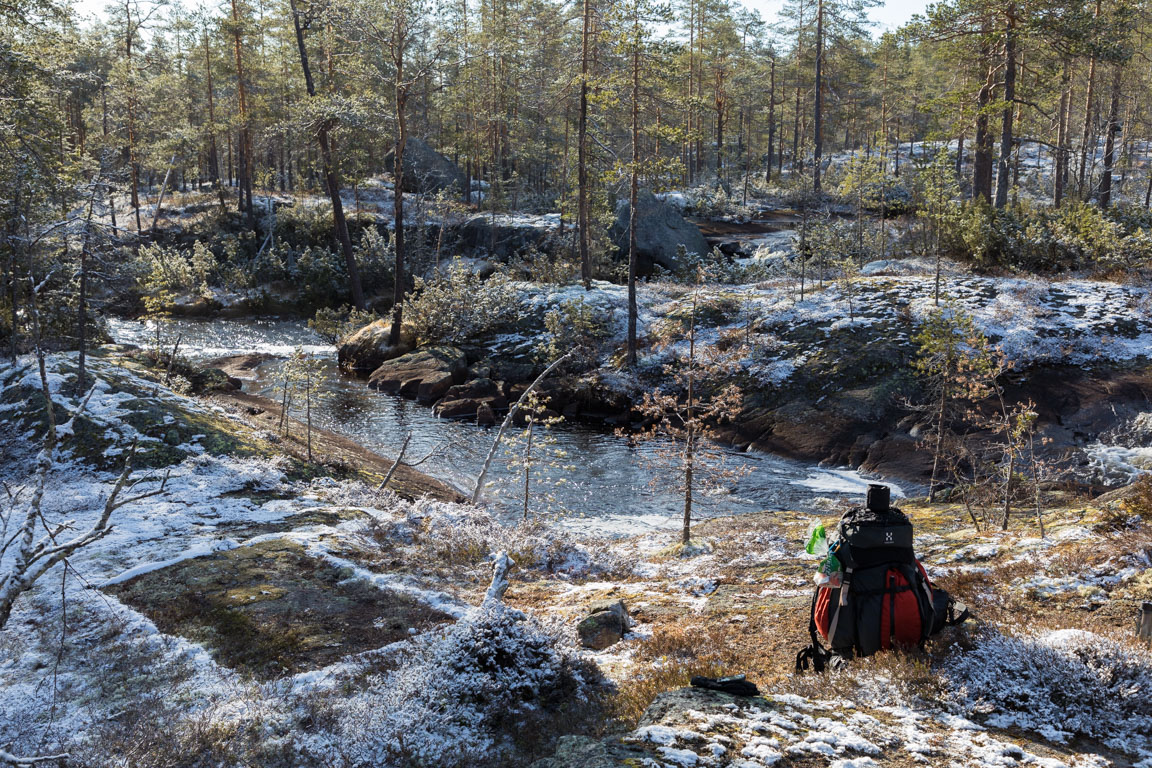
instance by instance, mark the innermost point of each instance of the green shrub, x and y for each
(376, 259)
(305, 225)
(165, 268)
(575, 325)
(336, 323)
(460, 306)
(1075, 236)
(321, 275)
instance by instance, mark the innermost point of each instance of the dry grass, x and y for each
(669, 660)
(740, 630)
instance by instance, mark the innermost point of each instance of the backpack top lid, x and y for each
(876, 533)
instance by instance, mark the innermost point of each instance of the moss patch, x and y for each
(271, 609)
(241, 530)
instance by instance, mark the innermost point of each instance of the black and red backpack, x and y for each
(884, 599)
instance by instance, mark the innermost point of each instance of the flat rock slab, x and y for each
(426, 374)
(271, 609)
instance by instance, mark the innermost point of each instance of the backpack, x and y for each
(885, 598)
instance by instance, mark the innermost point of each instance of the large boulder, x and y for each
(501, 236)
(367, 348)
(464, 401)
(690, 727)
(607, 622)
(660, 231)
(576, 751)
(425, 169)
(426, 374)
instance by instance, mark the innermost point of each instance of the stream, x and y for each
(586, 478)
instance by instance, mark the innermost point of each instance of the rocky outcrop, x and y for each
(585, 752)
(606, 624)
(368, 347)
(425, 169)
(674, 730)
(464, 401)
(426, 374)
(500, 236)
(239, 366)
(660, 231)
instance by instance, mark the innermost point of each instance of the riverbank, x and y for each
(333, 450)
(827, 377)
(588, 477)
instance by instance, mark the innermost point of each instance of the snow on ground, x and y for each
(51, 700)
(209, 339)
(1077, 321)
(782, 728)
(205, 498)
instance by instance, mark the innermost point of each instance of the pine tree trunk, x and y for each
(583, 221)
(1002, 167)
(1060, 161)
(133, 164)
(244, 144)
(771, 118)
(213, 153)
(1089, 96)
(818, 112)
(1113, 128)
(982, 152)
(719, 102)
(634, 196)
(332, 177)
(398, 196)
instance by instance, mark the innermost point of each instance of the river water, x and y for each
(588, 479)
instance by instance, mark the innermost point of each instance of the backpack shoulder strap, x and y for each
(955, 619)
(814, 655)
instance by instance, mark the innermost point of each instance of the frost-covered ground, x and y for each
(784, 729)
(83, 671)
(1029, 686)
(90, 666)
(1078, 322)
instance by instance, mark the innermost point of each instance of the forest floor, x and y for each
(241, 611)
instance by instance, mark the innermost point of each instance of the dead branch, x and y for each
(508, 420)
(10, 759)
(395, 464)
(35, 558)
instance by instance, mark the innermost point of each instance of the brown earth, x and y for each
(271, 608)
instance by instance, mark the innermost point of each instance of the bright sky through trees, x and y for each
(890, 15)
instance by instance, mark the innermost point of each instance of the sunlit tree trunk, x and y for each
(583, 218)
(818, 112)
(1113, 128)
(1006, 134)
(1089, 110)
(331, 175)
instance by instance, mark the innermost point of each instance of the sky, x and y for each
(889, 15)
